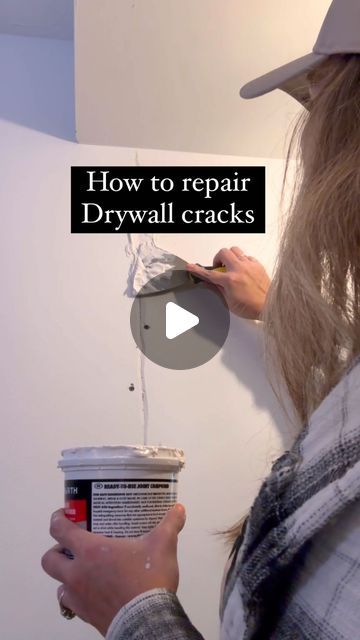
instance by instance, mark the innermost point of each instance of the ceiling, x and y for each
(40, 18)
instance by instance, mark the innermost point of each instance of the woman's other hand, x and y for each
(106, 573)
(244, 285)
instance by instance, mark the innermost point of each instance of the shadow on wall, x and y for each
(37, 81)
(243, 354)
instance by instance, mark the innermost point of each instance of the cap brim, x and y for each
(290, 77)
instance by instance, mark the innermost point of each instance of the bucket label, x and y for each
(76, 511)
(119, 508)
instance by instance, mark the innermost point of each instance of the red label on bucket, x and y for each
(76, 511)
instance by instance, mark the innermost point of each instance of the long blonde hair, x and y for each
(311, 317)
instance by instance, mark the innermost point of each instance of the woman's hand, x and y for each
(106, 573)
(244, 285)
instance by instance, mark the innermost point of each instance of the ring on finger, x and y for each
(66, 613)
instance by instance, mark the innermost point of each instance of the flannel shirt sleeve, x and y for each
(326, 597)
(153, 615)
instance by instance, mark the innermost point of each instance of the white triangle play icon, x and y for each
(178, 320)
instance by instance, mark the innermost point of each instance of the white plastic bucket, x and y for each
(120, 491)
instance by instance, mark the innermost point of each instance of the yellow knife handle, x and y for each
(220, 269)
(195, 279)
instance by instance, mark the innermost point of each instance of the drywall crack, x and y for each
(135, 241)
(144, 396)
(145, 257)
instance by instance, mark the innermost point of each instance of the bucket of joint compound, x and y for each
(120, 491)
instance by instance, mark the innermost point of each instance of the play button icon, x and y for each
(178, 320)
(178, 324)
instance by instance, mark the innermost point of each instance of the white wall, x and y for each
(37, 88)
(41, 18)
(166, 74)
(68, 359)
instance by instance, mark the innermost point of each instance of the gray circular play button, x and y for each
(179, 324)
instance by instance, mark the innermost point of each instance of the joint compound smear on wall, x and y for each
(147, 261)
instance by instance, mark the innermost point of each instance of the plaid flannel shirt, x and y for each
(296, 573)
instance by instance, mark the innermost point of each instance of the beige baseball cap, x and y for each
(340, 33)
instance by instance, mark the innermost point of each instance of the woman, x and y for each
(294, 571)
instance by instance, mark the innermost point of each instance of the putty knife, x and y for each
(174, 278)
(156, 270)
